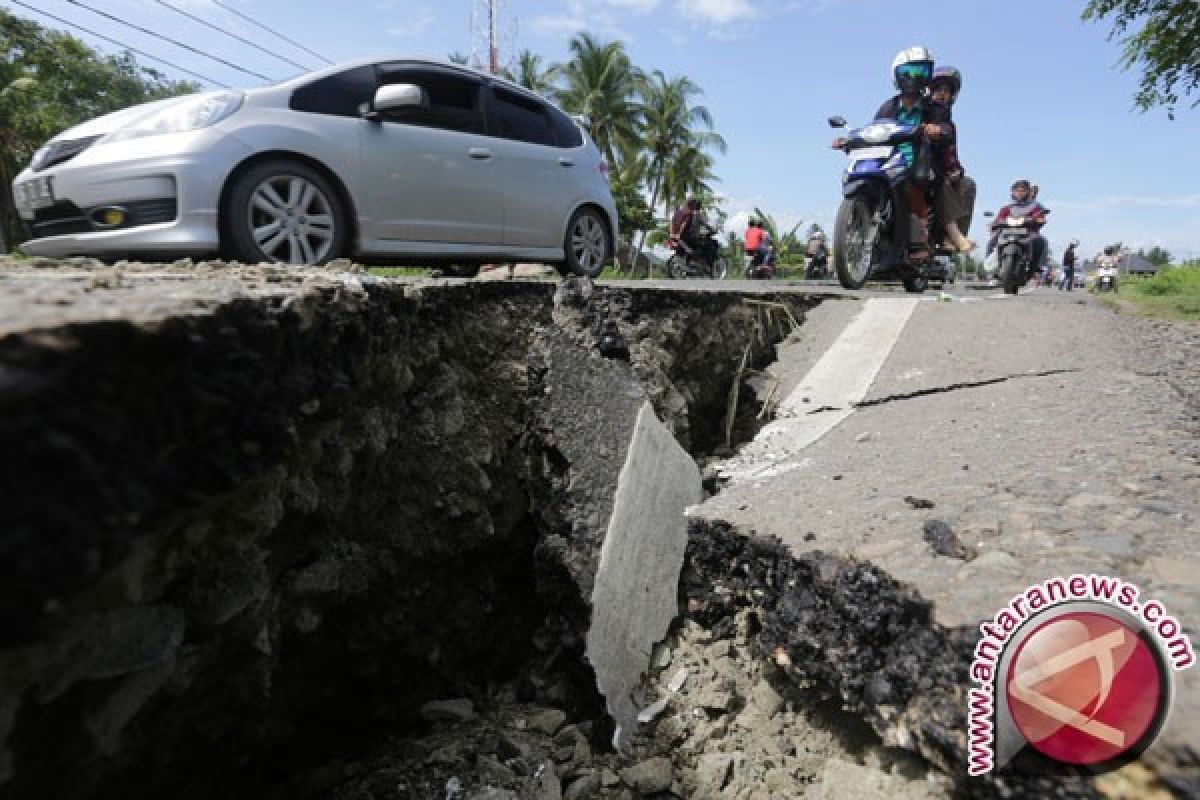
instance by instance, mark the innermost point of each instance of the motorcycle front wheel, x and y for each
(1010, 268)
(720, 269)
(676, 267)
(851, 230)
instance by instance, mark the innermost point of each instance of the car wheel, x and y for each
(588, 249)
(285, 212)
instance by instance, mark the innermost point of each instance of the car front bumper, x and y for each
(170, 184)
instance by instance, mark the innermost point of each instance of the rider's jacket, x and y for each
(754, 238)
(1032, 209)
(925, 112)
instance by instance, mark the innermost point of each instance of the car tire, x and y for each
(588, 246)
(284, 211)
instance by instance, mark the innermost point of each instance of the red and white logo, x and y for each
(1085, 688)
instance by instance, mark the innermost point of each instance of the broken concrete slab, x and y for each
(633, 600)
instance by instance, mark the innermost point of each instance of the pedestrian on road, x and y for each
(1068, 261)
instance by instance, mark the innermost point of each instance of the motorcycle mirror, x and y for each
(837, 122)
(989, 213)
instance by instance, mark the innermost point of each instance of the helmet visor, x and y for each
(914, 72)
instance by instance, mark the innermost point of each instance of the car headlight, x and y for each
(199, 111)
(39, 157)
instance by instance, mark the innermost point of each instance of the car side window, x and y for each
(453, 100)
(522, 118)
(339, 95)
(565, 129)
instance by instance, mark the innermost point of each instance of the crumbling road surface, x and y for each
(280, 533)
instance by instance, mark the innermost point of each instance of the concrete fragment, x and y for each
(650, 776)
(543, 784)
(548, 721)
(457, 710)
(633, 602)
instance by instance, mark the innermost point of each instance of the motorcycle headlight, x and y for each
(1016, 222)
(876, 134)
(199, 111)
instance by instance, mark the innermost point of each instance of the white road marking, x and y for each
(827, 394)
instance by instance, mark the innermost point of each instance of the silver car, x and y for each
(407, 161)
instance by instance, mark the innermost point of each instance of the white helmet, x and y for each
(912, 69)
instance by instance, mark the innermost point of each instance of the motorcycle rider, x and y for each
(757, 243)
(956, 190)
(912, 70)
(1023, 205)
(690, 227)
(818, 255)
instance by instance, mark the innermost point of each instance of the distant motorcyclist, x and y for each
(912, 70)
(818, 256)
(690, 227)
(758, 245)
(955, 196)
(1024, 205)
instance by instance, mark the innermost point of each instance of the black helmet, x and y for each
(1020, 184)
(949, 76)
(693, 202)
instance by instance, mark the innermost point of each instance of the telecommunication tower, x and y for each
(492, 34)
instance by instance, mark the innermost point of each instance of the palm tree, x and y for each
(600, 82)
(532, 76)
(676, 135)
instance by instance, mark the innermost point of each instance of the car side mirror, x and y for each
(397, 96)
(837, 122)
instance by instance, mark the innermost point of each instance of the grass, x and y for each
(1173, 293)
(399, 272)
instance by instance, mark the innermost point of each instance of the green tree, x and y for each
(676, 135)
(458, 57)
(1156, 256)
(50, 81)
(1165, 46)
(788, 247)
(533, 76)
(599, 82)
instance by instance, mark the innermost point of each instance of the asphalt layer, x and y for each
(1050, 435)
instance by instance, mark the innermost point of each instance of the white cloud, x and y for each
(717, 12)
(595, 16)
(412, 23)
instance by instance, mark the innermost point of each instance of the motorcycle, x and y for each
(685, 262)
(872, 232)
(1106, 279)
(757, 266)
(817, 268)
(1014, 251)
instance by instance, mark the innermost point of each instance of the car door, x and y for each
(432, 173)
(536, 172)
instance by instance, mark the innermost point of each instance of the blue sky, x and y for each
(1044, 95)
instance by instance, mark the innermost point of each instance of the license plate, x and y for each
(37, 193)
(863, 153)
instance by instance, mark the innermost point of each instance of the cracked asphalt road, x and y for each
(1052, 437)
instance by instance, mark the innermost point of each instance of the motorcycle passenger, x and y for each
(955, 196)
(1024, 205)
(690, 227)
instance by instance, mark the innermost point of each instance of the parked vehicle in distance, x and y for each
(410, 160)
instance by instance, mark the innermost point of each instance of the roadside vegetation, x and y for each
(1174, 293)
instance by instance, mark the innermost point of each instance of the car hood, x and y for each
(108, 123)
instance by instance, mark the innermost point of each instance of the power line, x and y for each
(175, 42)
(237, 13)
(120, 44)
(232, 35)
